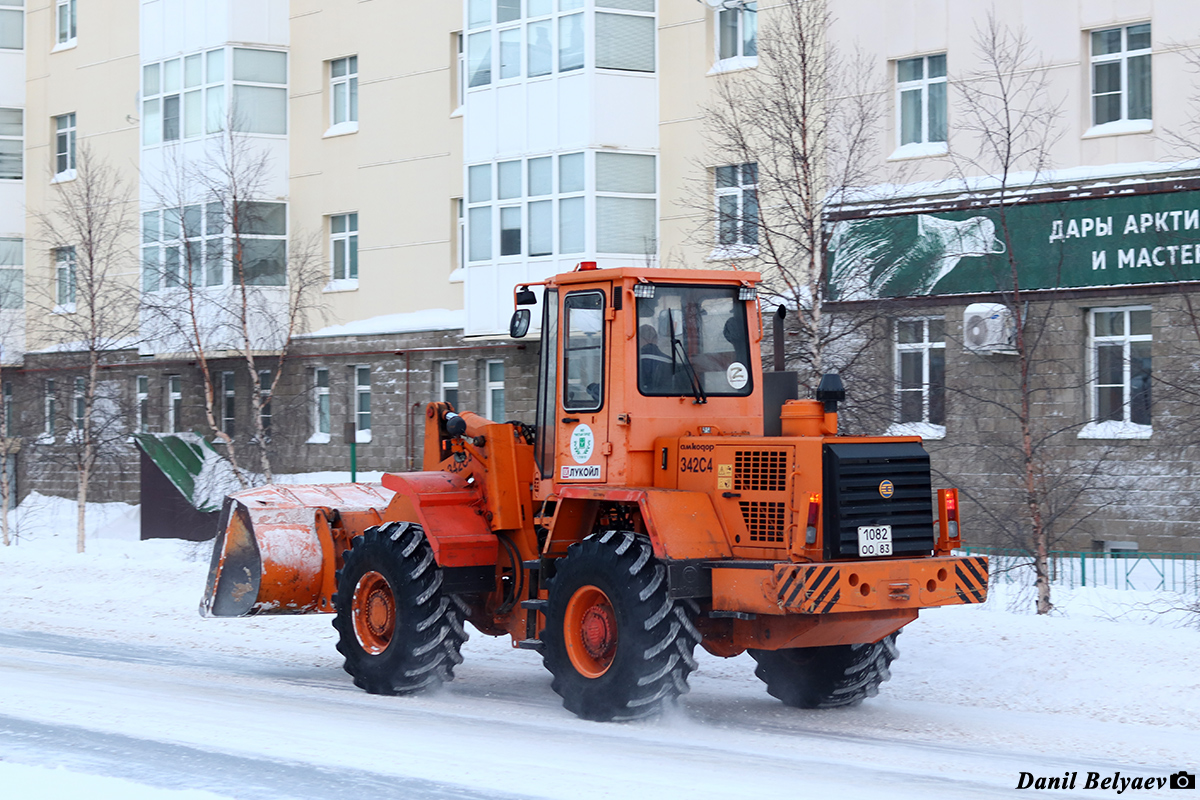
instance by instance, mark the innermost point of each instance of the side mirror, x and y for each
(526, 297)
(518, 326)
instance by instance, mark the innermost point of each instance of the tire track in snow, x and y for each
(173, 766)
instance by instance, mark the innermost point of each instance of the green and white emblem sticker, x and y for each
(583, 444)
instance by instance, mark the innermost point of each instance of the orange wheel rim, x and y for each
(374, 610)
(590, 631)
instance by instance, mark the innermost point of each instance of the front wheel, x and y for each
(826, 677)
(398, 632)
(617, 645)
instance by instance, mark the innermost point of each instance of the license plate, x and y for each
(874, 540)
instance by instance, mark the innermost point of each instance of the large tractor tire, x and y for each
(826, 677)
(398, 632)
(618, 646)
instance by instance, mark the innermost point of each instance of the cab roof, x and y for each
(715, 277)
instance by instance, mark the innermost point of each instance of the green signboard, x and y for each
(1111, 241)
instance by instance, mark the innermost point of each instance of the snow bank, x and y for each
(60, 784)
(991, 675)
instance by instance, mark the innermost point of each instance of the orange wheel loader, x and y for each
(668, 494)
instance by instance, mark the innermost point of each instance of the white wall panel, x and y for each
(510, 120)
(625, 111)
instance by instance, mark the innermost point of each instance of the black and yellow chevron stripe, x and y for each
(971, 579)
(811, 590)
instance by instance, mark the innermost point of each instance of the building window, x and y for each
(50, 405)
(1121, 74)
(535, 207)
(737, 33)
(921, 99)
(737, 205)
(265, 387)
(8, 408)
(64, 268)
(174, 403)
(12, 144)
(183, 98)
(343, 243)
(362, 404)
(187, 246)
(921, 371)
(448, 389)
(321, 410)
(1119, 347)
(142, 409)
(228, 398)
(200, 93)
(64, 14)
(12, 25)
(64, 146)
(343, 90)
(495, 391)
(78, 404)
(12, 274)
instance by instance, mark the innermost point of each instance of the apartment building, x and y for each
(1040, 316)
(404, 176)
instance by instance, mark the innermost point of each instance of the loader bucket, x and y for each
(277, 548)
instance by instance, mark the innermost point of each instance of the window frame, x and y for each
(741, 191)
(266, 388)
(141, 407)
(66, 265)
(739, 59)
(20, 142)
(567, 403)
(344, 241)
(174, 391)
(362, 391)
(65, 132)
(78, 403)
(349, 105)
(491, 386)
(1126, 427)
(66, 27)
(50, 409)
(17, 8)
(445, 386)
(1121, 57)
(922, 85)
(926, 347)
(227, 388)
(322, 407)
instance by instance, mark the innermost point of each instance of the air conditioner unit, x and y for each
(988, 328)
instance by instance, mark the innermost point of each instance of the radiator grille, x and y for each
(764, 521)
(760, 470)
(853, 477)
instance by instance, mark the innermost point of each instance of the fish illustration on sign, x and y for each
(903, 256)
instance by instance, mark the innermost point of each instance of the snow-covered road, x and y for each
(110, 681)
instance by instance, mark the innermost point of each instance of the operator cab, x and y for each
(629, 355)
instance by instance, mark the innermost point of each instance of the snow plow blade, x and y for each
(278, 548)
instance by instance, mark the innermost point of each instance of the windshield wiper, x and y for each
(677, 346)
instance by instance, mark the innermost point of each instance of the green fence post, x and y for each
(1083, 569)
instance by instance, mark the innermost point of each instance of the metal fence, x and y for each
(1161, 572)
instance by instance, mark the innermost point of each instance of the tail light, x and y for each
(952, 513)
(814, 514)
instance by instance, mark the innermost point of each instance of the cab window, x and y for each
(700, 330)
(583, 351)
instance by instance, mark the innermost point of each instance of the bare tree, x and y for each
(805, 124)
(90, 310)
(1010, 117)
(237, 295)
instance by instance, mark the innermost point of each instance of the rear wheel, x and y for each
(398, 632)
(826, 677)
(617, 645)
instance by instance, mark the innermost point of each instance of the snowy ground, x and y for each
(113, 686)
